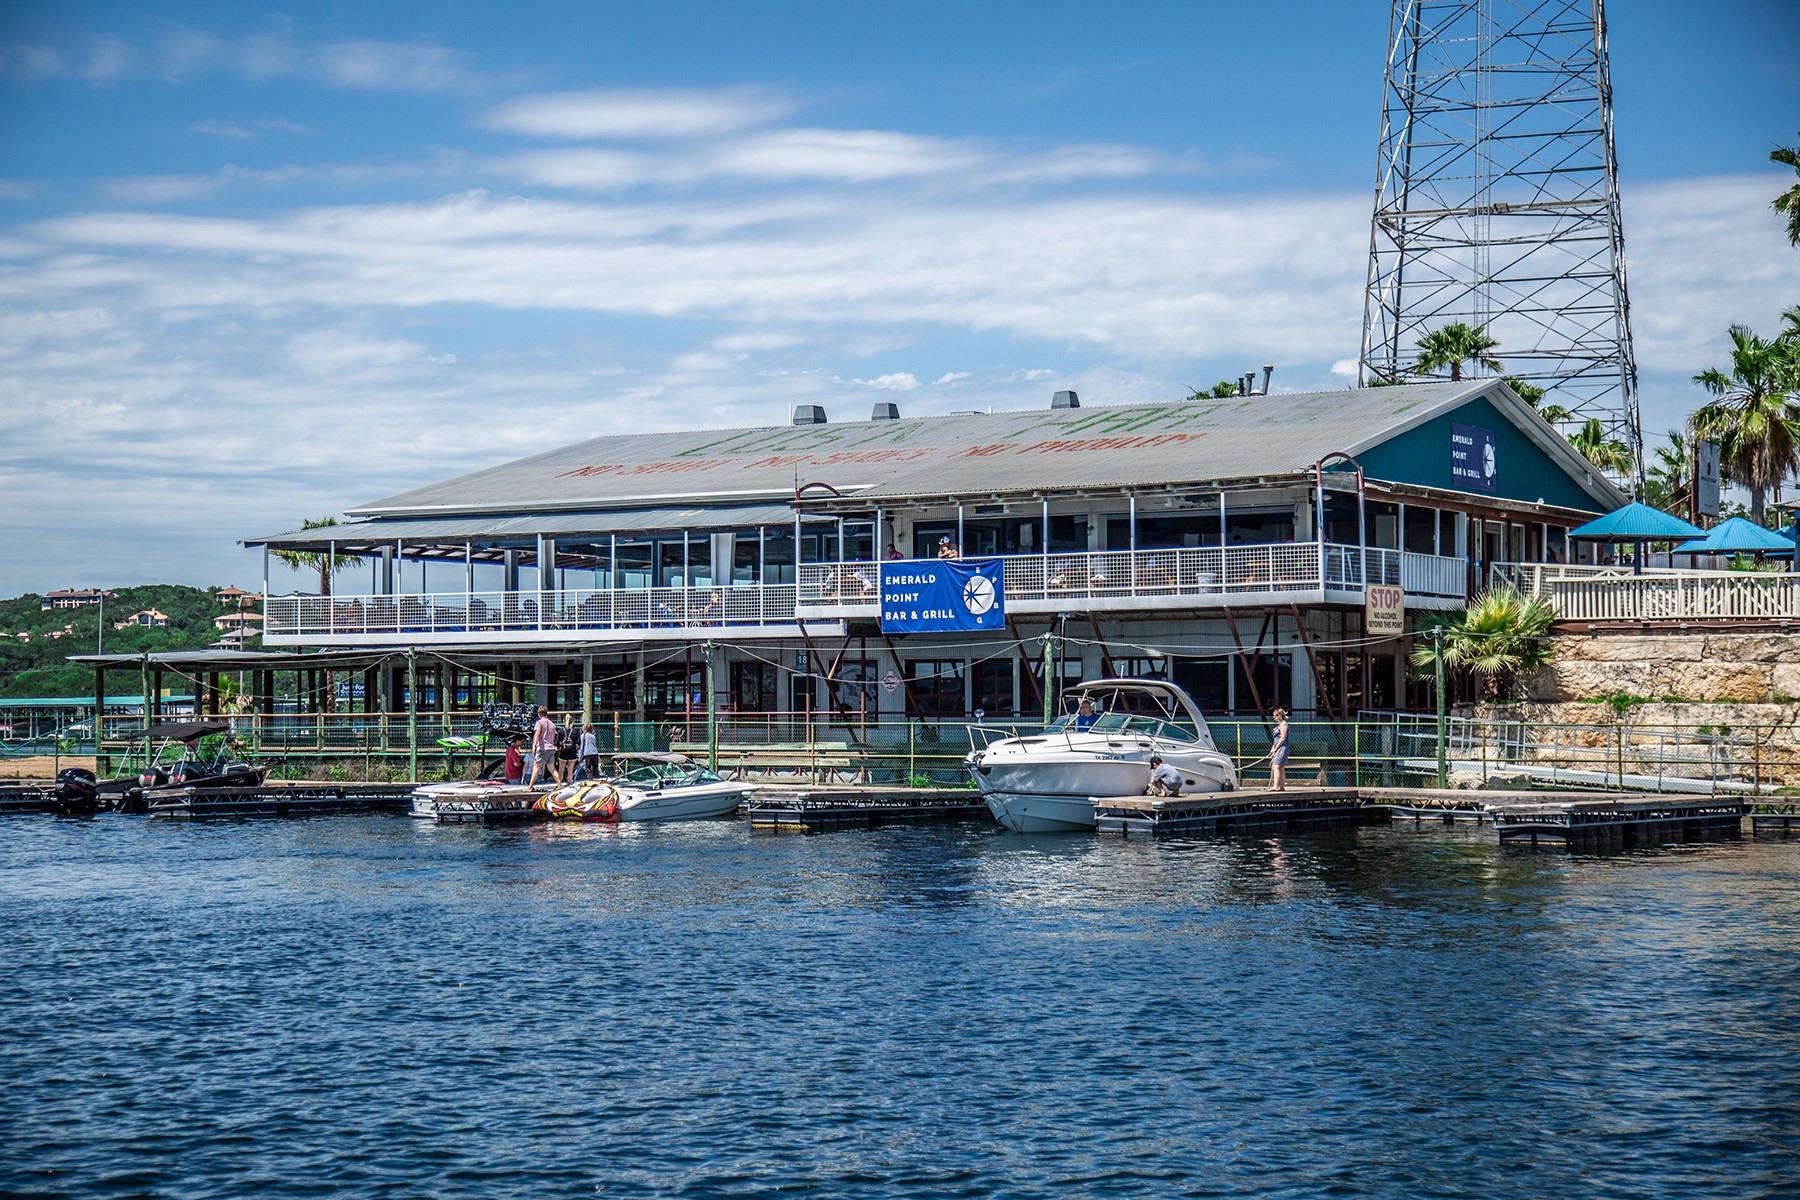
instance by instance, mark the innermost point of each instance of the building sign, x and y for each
(942, 597)
(1472, 462)
(1706, 478)
(1384, 611)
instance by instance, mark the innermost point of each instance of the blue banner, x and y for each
(945, 596)
(1473, 462)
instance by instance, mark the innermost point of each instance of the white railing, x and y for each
(1179, 572)
(1615, 594)
(489, 613)
(1165, 578)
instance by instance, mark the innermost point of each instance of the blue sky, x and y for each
(258, 265)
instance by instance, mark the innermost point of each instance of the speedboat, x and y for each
(1046, 782)
(191, 754)
(648, 787)
(472, 799)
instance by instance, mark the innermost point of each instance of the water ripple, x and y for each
(373, 1007)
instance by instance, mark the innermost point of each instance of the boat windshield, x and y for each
(1148, 726)
(663, 775)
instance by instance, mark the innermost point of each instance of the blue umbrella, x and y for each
(1737, 536)
(1636, 523)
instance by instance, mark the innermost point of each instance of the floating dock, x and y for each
(285, 800)
(841, 807)
(26, 798)
(1533, 818)
(486, 809)
(1223, 812)
(1606, 822)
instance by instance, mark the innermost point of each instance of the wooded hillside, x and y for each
(34, 665)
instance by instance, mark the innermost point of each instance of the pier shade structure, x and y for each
(787, 578)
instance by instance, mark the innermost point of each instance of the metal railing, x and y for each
(1176, 577)
(1193, 572)
(1659, 594)
(570, 611)
(850, 747)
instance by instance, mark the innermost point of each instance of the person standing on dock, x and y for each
(1278, 753)
(590, 752)
(1164, 779)
(543, 747)
(566, 750)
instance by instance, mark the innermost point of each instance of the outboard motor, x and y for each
(76, 793)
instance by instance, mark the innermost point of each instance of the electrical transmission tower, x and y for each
(1497, 201)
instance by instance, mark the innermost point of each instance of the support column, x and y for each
(587, 689)
(712, 707)
(412, 717)
(99, 718)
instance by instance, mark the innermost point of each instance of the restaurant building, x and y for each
(1260, 550)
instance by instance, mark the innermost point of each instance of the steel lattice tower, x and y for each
(1497, 200)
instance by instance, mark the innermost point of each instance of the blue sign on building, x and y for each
(943, 596)
(1472, 461)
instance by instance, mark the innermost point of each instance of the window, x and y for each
(938, 686)
(1207, 680)
(754, 687)
(1162, 530)
(1141, 668)
(1068, 534)
(1421, 530)
(852, 687)
(1384, 525)
(995, 679)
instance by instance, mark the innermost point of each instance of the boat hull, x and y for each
(704, 802)
(1035, 790)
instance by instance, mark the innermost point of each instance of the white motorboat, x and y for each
(648, 787)
(1046, 782)
(471, 799)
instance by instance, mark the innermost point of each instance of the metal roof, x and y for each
(732, 478)
(1099, 445)
(353, 535)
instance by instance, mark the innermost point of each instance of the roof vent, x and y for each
(885, 410)
(1065, 400)
(809, 414)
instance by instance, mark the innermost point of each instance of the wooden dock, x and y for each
(279, 800)
(1222, 812)
(809, 808)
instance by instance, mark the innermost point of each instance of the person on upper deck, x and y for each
(948, 548)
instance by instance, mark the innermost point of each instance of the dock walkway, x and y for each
(772, 807)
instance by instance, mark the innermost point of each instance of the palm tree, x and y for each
(1788, 203)
(1753, 415)
(325, 564)
(1591, 442)
(1669, 483)
(1501, 635)
(1454, 345)
(1534, 395)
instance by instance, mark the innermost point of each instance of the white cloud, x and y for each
(1346, 368)
(669, 113)
(366, 65)
(393, 66)
(244, 130)
(949, 377)
(900, 381)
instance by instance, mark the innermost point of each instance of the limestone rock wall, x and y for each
(1689, 668)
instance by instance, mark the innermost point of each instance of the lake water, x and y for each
(372, 1006)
